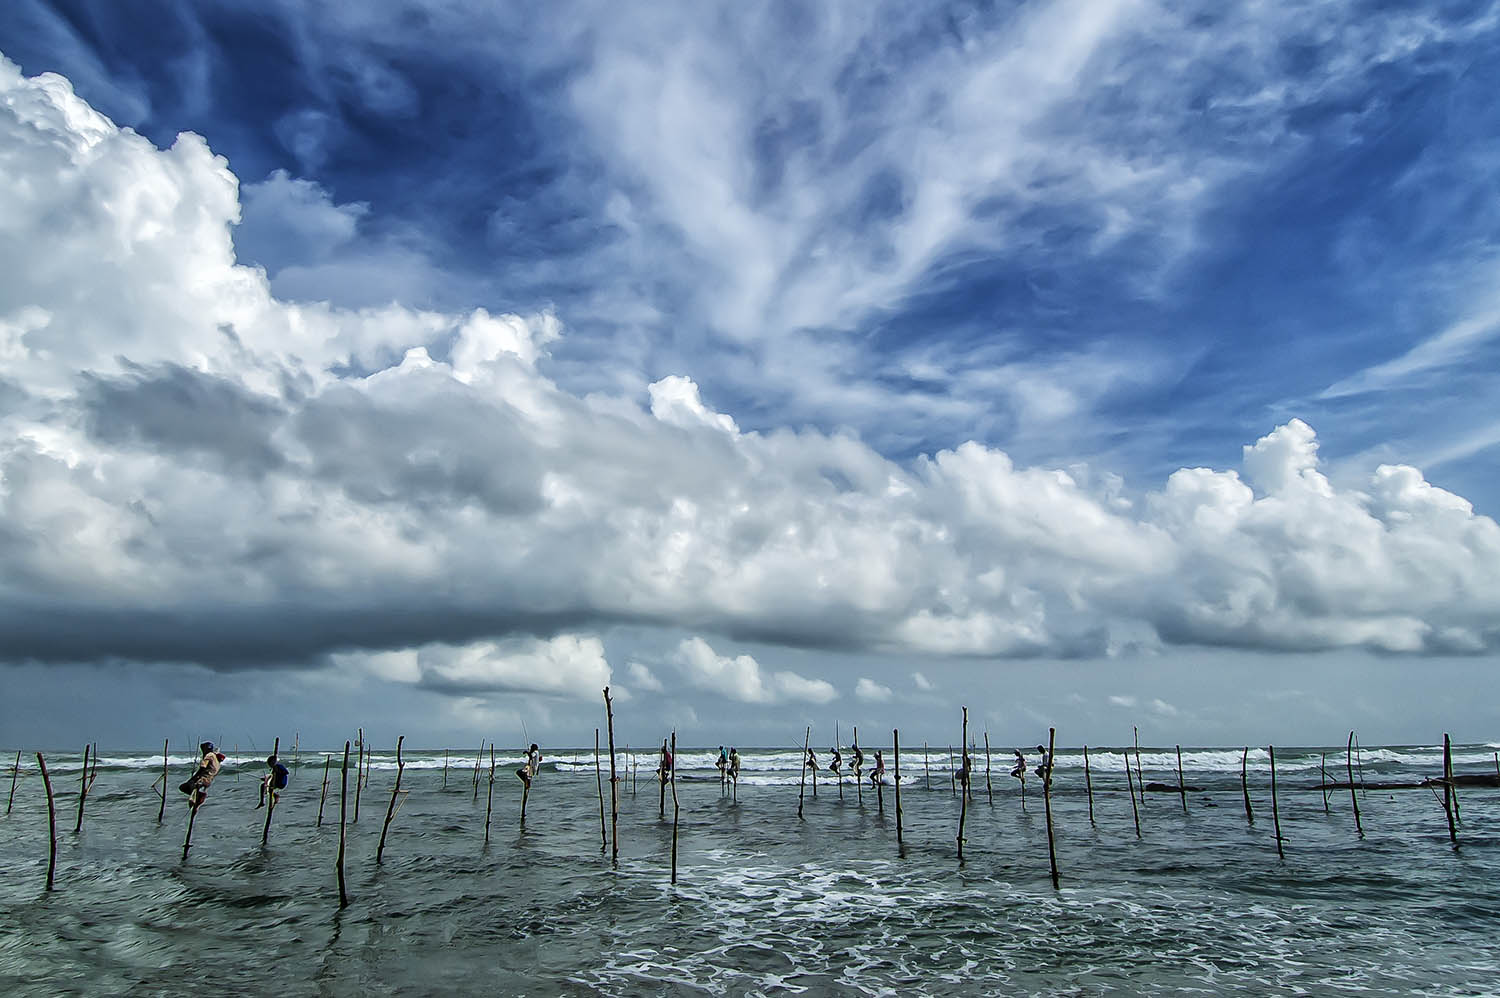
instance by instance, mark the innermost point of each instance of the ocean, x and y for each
(766, 903)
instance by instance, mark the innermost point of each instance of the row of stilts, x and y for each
(962, 781)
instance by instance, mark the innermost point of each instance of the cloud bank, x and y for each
(192, 469)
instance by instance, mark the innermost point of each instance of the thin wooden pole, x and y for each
(859, 782)
(478, 757)
(1450, 798)
(1140, 780)
(359, 765)
(802, 786)
(661, 790)
(926, 770)
(1359, 764)
(1088, 782)
(15, 774)
(963, 801)
(489, 796)
(51, 822)
(343, 825)
(94, 774)
(83, 790)
(390, 811)
(676, 810)
(1181, 787)
(195, 801)
(445, 769)
(162, 811)
(896, 739)
(265, 833)
(599, 783)
(839, 776)
(614, 782)
(1458, 814)
(323, 797)
(1134, 811)
(1349, 768)
(988, 789)
(1047, 798)
(1245, 785)
(879, 793)
(814, 769)
(369, 765)
(1275, 809)
(1323, 769)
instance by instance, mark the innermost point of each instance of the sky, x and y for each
(431, 366)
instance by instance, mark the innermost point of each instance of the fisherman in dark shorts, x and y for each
(859, 761)
(878, 773)
(273, 782)
(664, 768)
(836, 763)
(532, 765)
(196, 786)
(1019, 769)
(734, 765)
(1044, 765)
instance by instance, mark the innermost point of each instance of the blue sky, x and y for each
(816, 346)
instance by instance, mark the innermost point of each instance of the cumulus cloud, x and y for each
(740, 678)
(922, 682)
(642, 678)
(872, 692)
(193, 469)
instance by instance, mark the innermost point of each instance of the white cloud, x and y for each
(568, 665)
(179, 444)
(871, 691)
(740, 678)
(643, 678)
(1123, 701)
(922, 682)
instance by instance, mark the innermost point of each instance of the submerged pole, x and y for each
(343, 829)
(1181, 787)
(802, 786)
(15, 774)
(1450, 797)
(265, 833)
(1134, 811)
(489, 798)
(896, 740)
(83, 790)
(162, 811)
(1047, 798)
(599, 785)
(359, 766)
(1088, 782)
(614, 782)
(1140, 780)
(1349, 768)
(323, 797)
(445, 769)
(926, 770)
(676, 810)
(390, 811)
(51, 822)
(988, 789)
(963, 801)
(1245, 785)
(1275, 809)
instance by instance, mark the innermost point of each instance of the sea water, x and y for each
(766, 903)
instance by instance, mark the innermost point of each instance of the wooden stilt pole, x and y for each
(599, 785)
(162, 811)
(676, 810)
(859, 781)
(802, 785)
(1181, 787)
(926, 770)
(445, 769)
(1349, 768)
(343, 825)
(1140, 780)
(988, 789)
(1323, 770)
(661, 791)
(525, 794)
(1450, 796)
(840, 774)
(51, 822)
(1088, 782)
(1134, 811)
(896, 740)
(265, 833)
(195, 801)
(1047, 799)
(478, 758)
(94, 773)
(614, 783)
(83, 790)
(879, 795)
(1458, 814)
(390, 810)
(1275, 808)
(963, 800)
(15, 774)
(323, 797)
(1245, 785)
(359, 768)
(489, 797)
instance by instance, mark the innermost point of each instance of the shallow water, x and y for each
(765, 903)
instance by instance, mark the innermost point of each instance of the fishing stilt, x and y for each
(390, 810)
